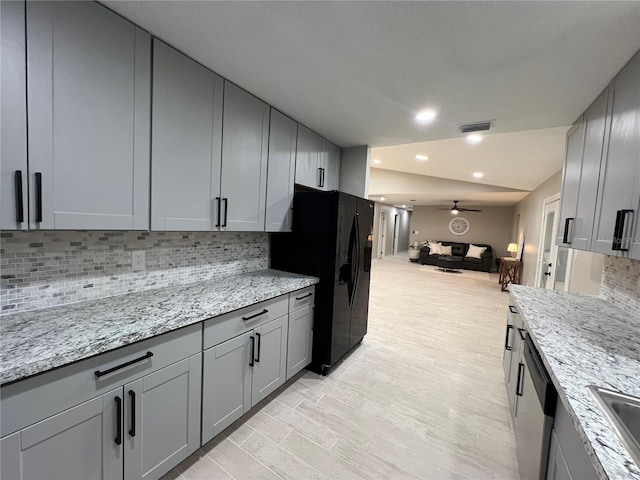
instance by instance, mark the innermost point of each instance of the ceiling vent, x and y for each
(476, 126)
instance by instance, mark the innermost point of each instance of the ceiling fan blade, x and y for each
(462, 209)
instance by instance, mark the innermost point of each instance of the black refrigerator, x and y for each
(331, 239)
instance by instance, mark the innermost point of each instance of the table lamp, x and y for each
(512, 248)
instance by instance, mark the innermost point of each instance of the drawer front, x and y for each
(232, 324)
(26, 402)
(301, 298)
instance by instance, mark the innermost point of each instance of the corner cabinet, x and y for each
(245, 142)
(186, 143)
(308, 150)
(89, 96)
(571, 181)
(330, 163)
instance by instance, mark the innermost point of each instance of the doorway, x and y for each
(382, 228)
(396, 232)
(553, 264)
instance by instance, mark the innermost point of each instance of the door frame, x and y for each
(554, 247)
(381, 234)
(396, 232)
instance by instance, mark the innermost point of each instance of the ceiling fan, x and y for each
(456, 209)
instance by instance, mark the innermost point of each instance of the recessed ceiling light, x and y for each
(474, 138)
(404, 206)
(377, 162)
(382, 198)
(425, 116)
(423, 158)
(478, 174)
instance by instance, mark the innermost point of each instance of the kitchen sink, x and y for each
(623, 412)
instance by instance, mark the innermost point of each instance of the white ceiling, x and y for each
(357, 72)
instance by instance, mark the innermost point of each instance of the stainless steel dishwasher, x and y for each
(536, 411)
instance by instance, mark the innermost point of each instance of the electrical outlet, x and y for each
(137, 261)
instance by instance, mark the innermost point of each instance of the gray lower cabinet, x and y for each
(512, 363)
(618, 204)
(245, 143)
(557, 466)
(89, 98)
(186, 143)
(13, 118)
(240, 372)
(281, 172)
(162, 419)
(300, 343)
(85, 442)
(308, 150)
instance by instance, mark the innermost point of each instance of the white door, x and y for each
(381, 234)
(548, 251)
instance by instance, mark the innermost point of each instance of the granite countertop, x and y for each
(586, 341)
(37, 341)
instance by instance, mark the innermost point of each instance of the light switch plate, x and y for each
(137, 261)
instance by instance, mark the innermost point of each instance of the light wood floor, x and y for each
(422, 397)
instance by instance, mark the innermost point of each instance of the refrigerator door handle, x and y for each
(352, 260)
(358, 249)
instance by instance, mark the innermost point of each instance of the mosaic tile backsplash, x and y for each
(621, 284)
(43, 269)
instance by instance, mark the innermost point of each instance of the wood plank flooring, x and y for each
(422, 397)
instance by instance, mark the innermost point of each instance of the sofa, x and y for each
(459, 258)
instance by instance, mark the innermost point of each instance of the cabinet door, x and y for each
(270, 360)
(78, 444)
(186, 143)
(281, 171)
(557, 469)
(619, 187)
(308, 158)
(13, 117)
(245, 142)
(89, 80)
(300, 340)
(162, 419)
(571, 182)
(594, 128)
(516, 368)
(226, 384)
(331, 165)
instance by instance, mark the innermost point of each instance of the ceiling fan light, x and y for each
(454, 211)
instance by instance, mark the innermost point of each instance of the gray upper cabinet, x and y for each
(83, 442)
(308, 158)
(616, 219)
(331, 154)
(245, 142)
(89, 80)
(280, 177)
(186, 142)
(594, 129)
(571, 182)
(13, 117)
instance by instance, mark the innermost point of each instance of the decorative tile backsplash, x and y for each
(621, 284)
(43, 269)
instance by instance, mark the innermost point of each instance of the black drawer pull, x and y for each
(258, 337)
(118, 438)
(38, 197)
(19, 200)
(618, 232)
(126, 364)
(219, 204)
(520, 380)
(521, 331)
(304, 296)
(513, 309)
(132, 397)
(253, 350)
(506, 339)
(256, 315)
(226, 211)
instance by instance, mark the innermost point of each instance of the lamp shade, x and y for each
(512, 248)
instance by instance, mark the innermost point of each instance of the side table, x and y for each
(510, 272)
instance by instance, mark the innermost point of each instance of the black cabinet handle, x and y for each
(256, 315)
(319, 176)
(19, 201)
(219, 206)
(132, 398)
(565, 237)
(512, 309)
(122, 365)
(118, 438)
(226, 211)
(253, 350)
(38, 197)
(521, 331)
(304, 296)
(258, 337)
(618, 231)
(506, 338)
(520, 380)
(322, 177)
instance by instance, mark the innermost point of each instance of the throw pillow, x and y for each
(445, 250)
(475, 251)
(434, 248)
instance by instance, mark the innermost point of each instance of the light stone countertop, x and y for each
(36, 341)
(586, 341)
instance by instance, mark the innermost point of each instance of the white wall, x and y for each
(404, 217)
